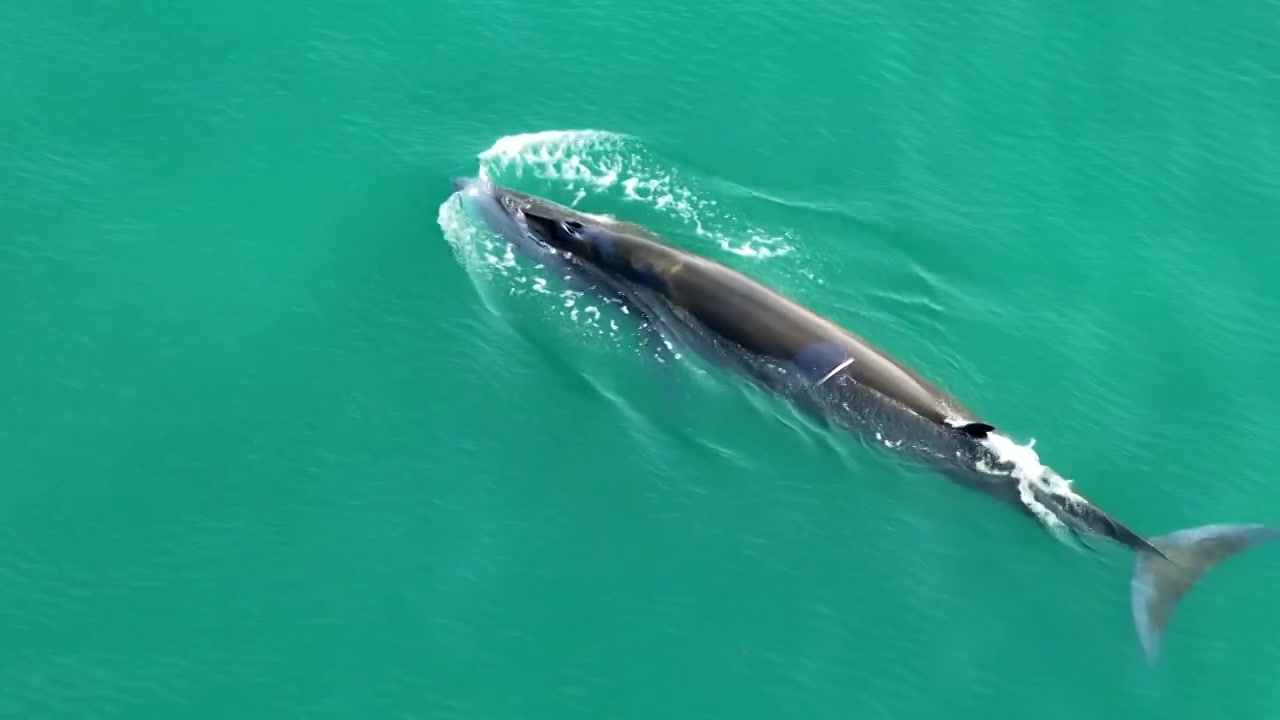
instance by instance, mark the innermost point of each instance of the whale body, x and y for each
(840, 378)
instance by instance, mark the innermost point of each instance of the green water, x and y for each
(286, 434)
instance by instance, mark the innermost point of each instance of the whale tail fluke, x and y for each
(1160, 582)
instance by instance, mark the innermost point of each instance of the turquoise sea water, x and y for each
(287, 434)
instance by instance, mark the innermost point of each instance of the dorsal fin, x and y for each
(977, 430)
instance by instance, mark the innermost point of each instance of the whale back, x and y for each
(759, 319)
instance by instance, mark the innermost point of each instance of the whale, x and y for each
(843, 380)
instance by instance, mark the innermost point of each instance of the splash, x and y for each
(602, 163)
(1033, 477)
(586, 163)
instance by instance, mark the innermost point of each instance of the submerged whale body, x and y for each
(839, 377)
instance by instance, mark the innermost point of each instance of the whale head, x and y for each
(532, 224)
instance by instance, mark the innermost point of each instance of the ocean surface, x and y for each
(287, 433)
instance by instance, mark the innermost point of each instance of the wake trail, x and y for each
(602, 163)
(595, 166)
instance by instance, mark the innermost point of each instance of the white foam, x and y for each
(1032, 476)
(1023, 457)
(599, 162)
(587, 163)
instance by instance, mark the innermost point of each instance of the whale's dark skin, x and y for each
(834, 374)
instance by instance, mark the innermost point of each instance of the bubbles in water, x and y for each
(586, 163)
(589, 162)
(1033, 477)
